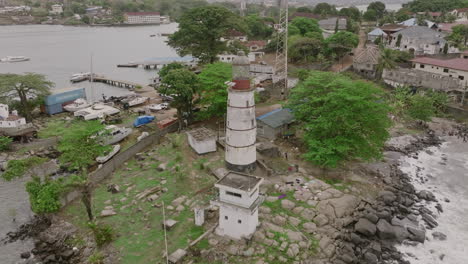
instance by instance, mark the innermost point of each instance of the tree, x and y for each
(351, 12)
(5, 143)
(30, 88)
(325, 9)
(446, 47)
(213, 90)
(386, 61)
(79, 148)
(200, 32)
(342, 42)
(459, 35)
(181, 84)
(398, 42)
(434, 5)
(304, 49)
(342, 119)
(169, 67)
(370, 15)
(257, 28)
(421, 108)
(378, 7)
(304, 9)
(302, 26)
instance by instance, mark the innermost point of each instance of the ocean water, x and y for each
(446, 168)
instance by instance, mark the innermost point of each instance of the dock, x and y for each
(158, 63)
(119, 83)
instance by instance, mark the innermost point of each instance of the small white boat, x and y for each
(158, 107)
(78, 104)
(14, 59)
(104, 159)
(137, 101)
(79, 77)
(96, 111)
(114, 134)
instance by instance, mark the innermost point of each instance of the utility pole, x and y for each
(243, 7)
(280, 78)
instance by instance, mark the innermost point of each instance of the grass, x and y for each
(137, 225)
(53, 128)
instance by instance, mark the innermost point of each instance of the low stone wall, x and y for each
(416, 78)
(118, 160)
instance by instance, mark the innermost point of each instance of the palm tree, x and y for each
(386, 61)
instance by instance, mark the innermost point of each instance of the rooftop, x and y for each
(414, 22)
(330, 23)
(277, 118)
(251, 43)
(368, 55)
(303, 14)
(377, 32)
(456, 64)
(392, 27)
(201, 134)
(240, 181)
(424, 33)
(449, 26)
(142, 13)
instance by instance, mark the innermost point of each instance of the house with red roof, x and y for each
(255, 45)
(454, 67)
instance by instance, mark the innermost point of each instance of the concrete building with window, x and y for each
(202, 140)
(8, 120)
(238, 201)
(139, 18)
(366, 61)
(455, 67)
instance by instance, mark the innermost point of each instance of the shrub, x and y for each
(103, 234)
(44, 196)
(96, 258)
(5, 143)
(17, 168)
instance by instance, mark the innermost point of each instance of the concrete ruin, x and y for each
(202, 140)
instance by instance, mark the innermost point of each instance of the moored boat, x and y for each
(78, 104)
(14, 59)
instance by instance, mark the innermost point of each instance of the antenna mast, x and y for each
(280, 78)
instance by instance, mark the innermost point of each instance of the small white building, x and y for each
(10, 121)
(56, 9)
(202, 140)
(238, 201)
(138, 18)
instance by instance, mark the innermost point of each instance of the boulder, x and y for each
(426, 195)
(370, 258)
(309, 227)
(178, 201)
(439, 236)
(417, 234)
(387, 196)
(308, 214)
(286, 204)
(386, 231)
(321, 220)
(293, 250)
(279, 220)
(344, 205)
(294, 236)
(294, 221)
(365, 227)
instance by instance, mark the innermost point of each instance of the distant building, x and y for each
(390, 29)
(8, 120)
(94, 10)
(461, 14)
(448, 27)
(233, 35)
(56, 9)
(238, 201)
(375, 34)
(329, 25)
(274, 123)
(456, 67)
(138, 18)
(202, 140)
(414, 22)
(420, 40)
(366, 61)
(255, 45)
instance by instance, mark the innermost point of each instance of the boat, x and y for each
(14, 59)
(158, 107)
(78, 104)
(96, 111)
(79, 77)
(104, 159)
(137, 101)
(113, 134)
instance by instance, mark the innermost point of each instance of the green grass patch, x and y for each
(17, 168)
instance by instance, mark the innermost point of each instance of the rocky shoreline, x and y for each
(347, 227)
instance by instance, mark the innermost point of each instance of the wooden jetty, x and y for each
(122, 84)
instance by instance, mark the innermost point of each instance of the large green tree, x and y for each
(181, 84)
(378, 7)
(325, 9)
(342, 119)
(200, 32)
(213, 90)
(302, 26)
(257, 28)
(459, 36)
(342, 43)
(304, 49)
(351, 12)
(30, 88)
(435, 5)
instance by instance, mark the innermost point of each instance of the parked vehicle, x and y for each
(143, 120)
(158, 107)
(104, 159)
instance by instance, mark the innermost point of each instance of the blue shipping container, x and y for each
(54, 102)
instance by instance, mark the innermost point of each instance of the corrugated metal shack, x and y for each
(54, 103)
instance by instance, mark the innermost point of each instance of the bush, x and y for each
(103, 234)
(96, 258)
(17, 168)
(44, 196)
(5, 143)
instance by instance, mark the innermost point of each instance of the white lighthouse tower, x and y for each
(241, 127)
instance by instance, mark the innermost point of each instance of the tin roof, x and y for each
(240, 181)
(277, 118)
(456, 64)
(368, 55)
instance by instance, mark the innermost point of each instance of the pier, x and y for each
(123, 84)
(158, 63)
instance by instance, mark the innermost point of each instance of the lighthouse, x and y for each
(241, 127)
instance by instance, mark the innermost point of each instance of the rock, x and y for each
(356, 239)
(162, 167)
(329, 251)
(265, 210)
(286, 204)
(177, 256)
(213, 242)
(25, 255)
(279, 220)
(429, 220)
(298, 210)
(178, 201)
(372, 217)
(152, 198)
(294, 236)
(294, 221)
(344, 205)
(426, 195)
(387, 197)
(325, 195)
(418, 235)
(365, 227)
(324, 242)
(312, 203)
(108, 212)
(321, 220)
(67, 254)
(370, 258)
(113, 188)
(180, 208)
(308, 214)
(386, 231)
(309, 227)
(293, 250)
(439, 236)
(249, 252)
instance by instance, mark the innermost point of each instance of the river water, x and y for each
(446, 168)
(60, 51)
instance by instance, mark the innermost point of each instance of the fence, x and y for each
(118, 160)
